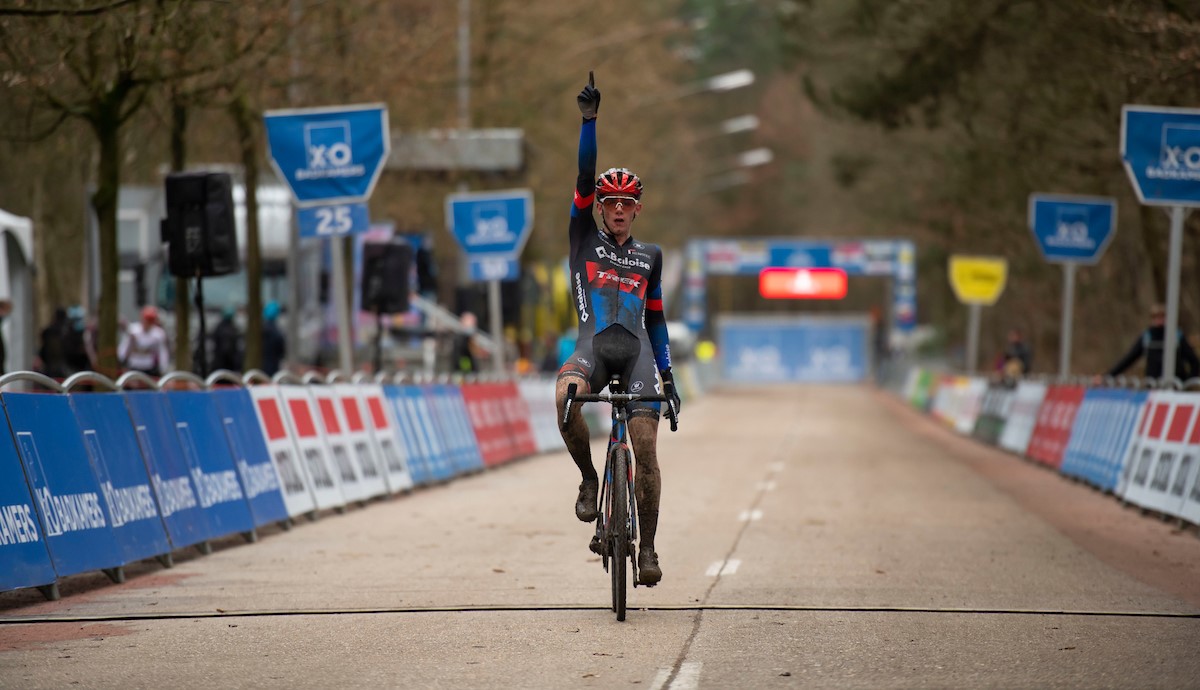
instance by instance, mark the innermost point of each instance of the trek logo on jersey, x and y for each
(623, 261)
(601, 278)
(580, 303)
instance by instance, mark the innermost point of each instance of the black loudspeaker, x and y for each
(386, 267)
(200, 227)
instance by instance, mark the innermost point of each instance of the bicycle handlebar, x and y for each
(621, 398)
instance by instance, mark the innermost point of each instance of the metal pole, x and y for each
(342, 309)
(973, 338)
(295, 309)
(464, 66)
(1068, 317)
(1174, 258)
(496, 325)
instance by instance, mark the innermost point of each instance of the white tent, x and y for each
(16, 285)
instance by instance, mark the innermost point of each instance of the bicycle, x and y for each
(617, 525)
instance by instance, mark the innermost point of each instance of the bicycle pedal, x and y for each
(597, 547)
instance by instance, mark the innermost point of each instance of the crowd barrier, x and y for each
(1143, 446)
(97, 479)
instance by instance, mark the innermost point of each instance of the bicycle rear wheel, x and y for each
(618, 533)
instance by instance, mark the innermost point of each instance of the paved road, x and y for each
(811, 537)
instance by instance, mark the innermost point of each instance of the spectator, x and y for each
(274, 347)
(227, 343)
(75, 346)
(144, 347)
(1151, 342)
(550, 362)
(1016, 360)
(51, 350)
(462, 359)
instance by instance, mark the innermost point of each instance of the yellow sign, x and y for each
(978, 279)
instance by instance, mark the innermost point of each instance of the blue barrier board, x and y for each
(1103, 426)
(418, 457)
(73, 515)
(450, 411)
(213, 474)
(259, 476)
(112, 447)
(24, 560)
(439, 461)
(186, 521)
(463, 420)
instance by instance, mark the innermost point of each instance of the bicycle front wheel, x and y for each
(618, 523)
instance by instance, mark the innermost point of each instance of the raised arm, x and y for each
(585, 184)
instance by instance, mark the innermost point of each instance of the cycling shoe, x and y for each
(648, 571)
(585, 504)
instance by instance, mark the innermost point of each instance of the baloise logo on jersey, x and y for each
(623, 261)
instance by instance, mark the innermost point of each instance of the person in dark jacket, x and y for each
(1016, 360)
(1150, 343)
(227, 343)
(274, 346)
(52, 349)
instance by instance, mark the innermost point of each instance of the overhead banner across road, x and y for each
(793, 350)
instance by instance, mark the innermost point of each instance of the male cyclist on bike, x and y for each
(616, 284)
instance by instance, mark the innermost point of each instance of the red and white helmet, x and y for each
(618, 182)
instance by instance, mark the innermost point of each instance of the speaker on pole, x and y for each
(385, 277)
(200, 227)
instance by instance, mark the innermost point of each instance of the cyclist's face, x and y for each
(618, 213)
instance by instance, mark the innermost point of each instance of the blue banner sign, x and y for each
(1103, 426)
(805, 350)
(202, 436)
(329, 156)
(1072, 229)
(259, 476)
(116, 458)
(1161, 151)
(22, 544)
(333, 221)
(186, 521)
(491, 228)
(70, 503)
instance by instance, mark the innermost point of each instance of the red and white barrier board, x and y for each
(958, 401)
(543, 413)
(314, 454)
(361, 473)
(1163, 468)
(1052, 432)
(516, 412)
(298, 493)
(485, 405)
(382, 431)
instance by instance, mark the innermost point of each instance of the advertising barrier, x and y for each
(516, 415)
(22, 543)
(112, 448)
(1166, 454)
(384, 432)
(993, 413)
(202, 436)
(1101, 435)
(485, 405)
(67, 494)
(422, 463)
(357, 466)
(538, 395)
(296, 484)
(310, 447)
(356, 427)
(1053, 428)
(450, 414)
(958, 401)
(260, 479)
(186, 521)
(1023, 416)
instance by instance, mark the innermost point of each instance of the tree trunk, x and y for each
(104, 201)
(244, 119)
(183, 304)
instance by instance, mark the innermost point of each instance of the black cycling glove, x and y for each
(589, 99)
(670, 392)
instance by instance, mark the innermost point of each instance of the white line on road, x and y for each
(749, 515)
(728, 567)
(688, 677)
(775, 467)
(766, 486)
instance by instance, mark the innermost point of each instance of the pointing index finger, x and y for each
(591, 79)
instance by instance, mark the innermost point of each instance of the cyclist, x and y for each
(616, 285)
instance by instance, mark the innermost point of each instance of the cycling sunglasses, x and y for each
(624, 201)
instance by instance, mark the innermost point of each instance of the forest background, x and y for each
(927, 119)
